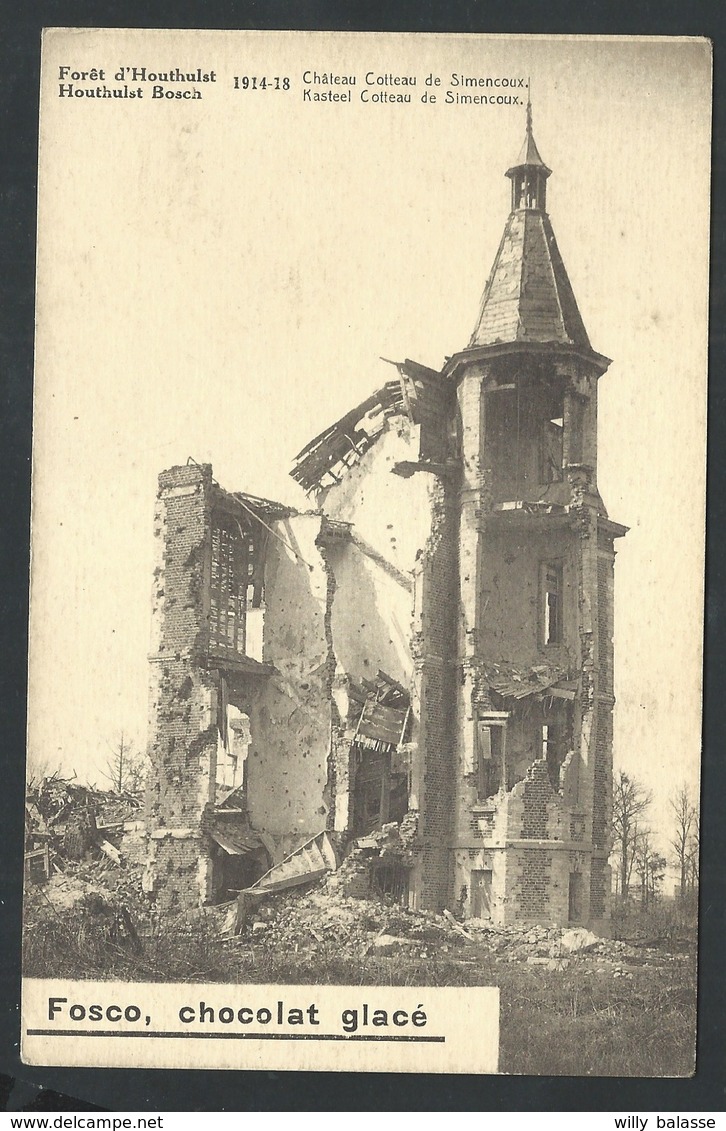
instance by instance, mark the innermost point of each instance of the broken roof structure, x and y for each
(417, 394)
(429, 649)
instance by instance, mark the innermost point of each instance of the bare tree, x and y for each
(38, 767)
(630, 801)
(684, 824)
(650, 867)
(641, 861)
(694, 848)
(126, 768)
(656, 871)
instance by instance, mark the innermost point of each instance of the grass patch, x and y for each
(580, 1022)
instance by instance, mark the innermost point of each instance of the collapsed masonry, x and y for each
(431, 646)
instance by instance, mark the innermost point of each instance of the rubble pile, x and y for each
(556, 948)
(92, 877)
(79, 839)
(326, 921)
(322, 917)
(85, 850)
(391, 844)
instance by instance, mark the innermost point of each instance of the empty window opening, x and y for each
(372, 792)
(232, 751)
(528, 189)
(398, 797)
(576, 429)
(490, 761)
(553, 750)
(502, 426)
(551, 449)
(525, 425)
(481, 894)
(552, 602)
(379, 795)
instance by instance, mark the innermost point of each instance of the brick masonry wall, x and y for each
(183, 700)
(600, 878)
(602, 777)
(537, 793)
(532, 883)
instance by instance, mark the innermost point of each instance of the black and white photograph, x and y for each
(368, 531)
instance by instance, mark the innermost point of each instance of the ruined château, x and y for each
(427, 650)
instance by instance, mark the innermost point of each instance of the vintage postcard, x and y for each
(368, 552)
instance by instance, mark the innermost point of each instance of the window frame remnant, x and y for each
(228, 585)
(236, 581)
(491, 754)
(382, 708)
(553, 739)
(552, 594)
(552, 449)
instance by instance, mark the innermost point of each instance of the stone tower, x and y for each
(535, 637)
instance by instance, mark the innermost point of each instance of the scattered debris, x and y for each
(578, 939)
(84, 849)
(322, 920)
(456, 926)
(308, 862)
(66, 822)
(516, 682)
(308, 904)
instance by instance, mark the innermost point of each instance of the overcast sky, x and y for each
(218, 278)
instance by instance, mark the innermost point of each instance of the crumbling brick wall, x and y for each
(543, 815)
(600, 895)
(195, 679)
(183, 726)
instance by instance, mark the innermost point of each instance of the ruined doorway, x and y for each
(574, 912)
(233, 872)
(481, 894)
(372, 789)
(391, 880)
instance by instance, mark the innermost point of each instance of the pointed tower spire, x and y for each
(529, 174)
(528, 297)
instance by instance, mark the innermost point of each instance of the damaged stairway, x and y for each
(308, 862)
